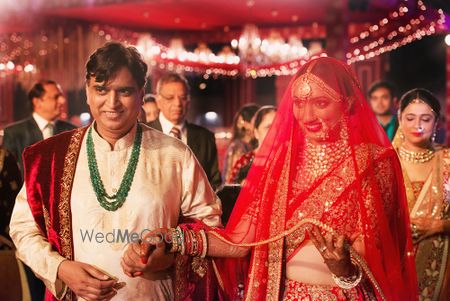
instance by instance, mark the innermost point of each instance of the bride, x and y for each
(323, 211)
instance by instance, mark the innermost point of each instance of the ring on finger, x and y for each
(323, 249)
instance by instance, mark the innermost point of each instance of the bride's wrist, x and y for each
(349, 271)
(189, 242)
(349, 279)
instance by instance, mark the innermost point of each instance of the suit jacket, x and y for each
(203, 144)
(25, 133)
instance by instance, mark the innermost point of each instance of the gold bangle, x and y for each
(349, 282)
(205, 243)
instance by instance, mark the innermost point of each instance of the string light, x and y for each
(177, 59)
(447, 40)
(410, 29)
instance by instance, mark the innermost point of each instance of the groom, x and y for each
(115, 175)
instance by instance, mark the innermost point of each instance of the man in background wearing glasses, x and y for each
(172, 98)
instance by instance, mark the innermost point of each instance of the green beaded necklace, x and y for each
(127, 179)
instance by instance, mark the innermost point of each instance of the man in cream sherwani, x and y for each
(91, 191)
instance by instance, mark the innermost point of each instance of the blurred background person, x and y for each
(47, 100)
(261, 124)
(426, 168)
(229, 192)
(10, 183)
(173, 98)
(242, 139)
(12, 278)
(150, 107)
(382, 100)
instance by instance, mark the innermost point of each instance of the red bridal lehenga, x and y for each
(351, 184)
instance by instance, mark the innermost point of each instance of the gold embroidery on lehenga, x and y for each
(259, 244)
(345, 217)
(310, 292)
(301, 220)
(332, 186)
(301, 291)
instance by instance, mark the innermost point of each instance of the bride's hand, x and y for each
(334, 251)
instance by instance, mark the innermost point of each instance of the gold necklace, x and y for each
(415, 157)
(318, 159)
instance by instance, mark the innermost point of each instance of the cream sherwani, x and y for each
(168, 183)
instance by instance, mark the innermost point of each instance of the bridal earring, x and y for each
(402, 136)
(433, 137)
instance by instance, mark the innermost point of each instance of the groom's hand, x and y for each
(148, 256)
(86, 281)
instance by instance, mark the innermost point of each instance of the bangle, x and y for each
(171, 246)
(204, 244)
(200, 242)
(183, 241)
(189, 242)
(349, 282)
(175, 240)
(196, 240)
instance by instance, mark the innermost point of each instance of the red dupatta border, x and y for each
(49, 172)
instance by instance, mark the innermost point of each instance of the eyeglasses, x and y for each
(183, 98)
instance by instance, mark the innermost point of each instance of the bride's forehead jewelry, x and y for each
(302, 88)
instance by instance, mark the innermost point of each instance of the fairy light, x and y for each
(28, 68)
(375, 28)
(166, 58)
(19, 51)
(412, 29)
(447, 41)
(10, 65)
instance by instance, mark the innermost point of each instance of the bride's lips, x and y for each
(313, 126)
(417, 134)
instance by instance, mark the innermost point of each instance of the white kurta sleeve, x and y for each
(33, 248)
(198, 200)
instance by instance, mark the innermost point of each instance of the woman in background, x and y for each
(426, 169)
(242, 138)
(261, 124)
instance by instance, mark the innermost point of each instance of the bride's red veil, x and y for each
(268, 202)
